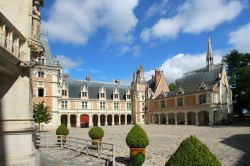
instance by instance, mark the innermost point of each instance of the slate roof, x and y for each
(93, 89)
(151, 84)
(47, 54)
(190, 81)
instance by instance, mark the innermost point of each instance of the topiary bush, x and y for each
(192, 152)
(137, 137)
(138, 160)
(96, 132)
(62, 130)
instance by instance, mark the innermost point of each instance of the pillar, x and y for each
(186, 120)
(99, 120)
(106, 120)
(126, 120)
(159, 118)
(90, 120)
(197, 118)
(166, 119)
(211, 118)
(113, 119)
(120, 120)
(78, 121)
(68, 121)
(175, 119)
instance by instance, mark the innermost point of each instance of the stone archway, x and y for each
(109, 120)
(180, 118)
(129, 119)
(64, 119)
(191, 118)
(116, 119)
(155, 119)
(203, 118)
(84, 120)
(163, 118)
(102, 120)
(73, 120)
(95, 120)
(171, 118)
(122, 119)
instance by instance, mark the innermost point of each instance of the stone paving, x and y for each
(231, 144)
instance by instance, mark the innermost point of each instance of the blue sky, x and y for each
(108, 39)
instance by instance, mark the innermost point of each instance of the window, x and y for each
(116, 106)
(129, 106)
(102, 95)
(84, 105)
(163, 104)
(64, 105)
(41, 74)
(116, 96)
(202, 99)
(180, 101)
(84, 94)
(40, 92)
(102, 105)
(143, 97)
(64, 92)
(128, 97)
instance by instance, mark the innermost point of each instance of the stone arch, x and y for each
(109, 120)
(155, 119)
(95, 120)
(84, 120)
(191, 118)
(122, 119)
(163, 118)
(102, 120)
(64, 119)
(116, 119)
(129, 119)
(203, 118)
(73, 120)
(171, 118)
(180, 118)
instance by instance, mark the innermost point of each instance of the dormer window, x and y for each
(41, 74)
(84, 91)
(102, 92)
(180, 91)
(102, 95)
(64, 92)
(202, 87)
(128, 96)
(115, 96)
(84, 94)
(202, 99)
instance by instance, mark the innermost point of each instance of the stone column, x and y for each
(106, 120)
(197, 118)
(68, 121)
(166, 119)
(90, 120)
(159, 118)
(175, 119)
(113, 120)
(126, 120)
(211, 118)
(99, 120)
(120, 120)
(78, 121)
(186, 120)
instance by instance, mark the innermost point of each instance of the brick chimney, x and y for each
(87, 78)
(141, 69)
(117, 81)
(157, 76)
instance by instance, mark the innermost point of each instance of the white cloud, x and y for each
(76, 21)
(174, 67)
(157, 8)
(194, 16)
(239, 38)
(67, 63)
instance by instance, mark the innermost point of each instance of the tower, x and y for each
(209, 56)
(139, 86)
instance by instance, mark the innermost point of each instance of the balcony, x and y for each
(11, 40)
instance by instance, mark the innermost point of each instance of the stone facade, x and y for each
(17, 125)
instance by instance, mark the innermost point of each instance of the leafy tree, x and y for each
(172, 86)
(238, 69)
(41, 113)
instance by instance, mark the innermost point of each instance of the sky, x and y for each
(109, 39)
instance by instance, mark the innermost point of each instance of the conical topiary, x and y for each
(137, 137)
(192, 152)
(62, 130)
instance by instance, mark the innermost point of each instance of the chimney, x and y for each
(141, 70)
(87, 78)
(157, 76)
(65, 75)
(117, 81)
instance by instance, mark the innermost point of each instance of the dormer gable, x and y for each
(102, 92)
(180, 91)
(84, 91)
(202, 87)
(116, 94)
(128, 95)
(65, 90)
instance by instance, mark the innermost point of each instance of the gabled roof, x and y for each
(191, 81)
(47, 54)
(93, 89)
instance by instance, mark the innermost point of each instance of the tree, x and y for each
(238, 69)
(40, 113)
(172, 86)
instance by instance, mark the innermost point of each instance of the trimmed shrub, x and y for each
(96, 132)
(62, 130)
(192, 152)
(138, 160)
(137, 137)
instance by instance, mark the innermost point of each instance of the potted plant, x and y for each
(137, 140)
(63, 131)
(96, 134)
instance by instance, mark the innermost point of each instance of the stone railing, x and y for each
(11, 39)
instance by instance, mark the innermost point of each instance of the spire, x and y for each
(209, 53)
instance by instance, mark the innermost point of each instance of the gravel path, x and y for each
(231, 144)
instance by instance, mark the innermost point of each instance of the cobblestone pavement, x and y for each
(231, 144)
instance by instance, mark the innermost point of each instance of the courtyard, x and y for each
(231, 144)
